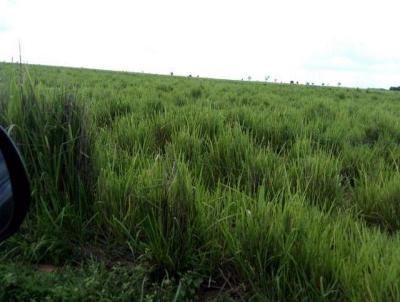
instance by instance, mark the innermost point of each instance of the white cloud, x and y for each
(289, 40)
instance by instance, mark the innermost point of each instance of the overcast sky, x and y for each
(349, 41)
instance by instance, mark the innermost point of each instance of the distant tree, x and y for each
(395, 88)
(323, 84)
(307, 83)
(291, 82)
(339, 84)
(171, 73)
(297, 82)
(189, 76)
(267, 78)
(249, 78)
(275, 80)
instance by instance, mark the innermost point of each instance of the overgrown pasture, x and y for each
(166, 188)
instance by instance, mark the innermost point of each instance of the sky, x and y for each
(318, 41)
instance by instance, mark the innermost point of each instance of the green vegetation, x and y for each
(168, 188)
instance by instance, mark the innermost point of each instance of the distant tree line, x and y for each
(395, 88)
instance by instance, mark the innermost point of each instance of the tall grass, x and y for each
(51, 132)
(260, 191)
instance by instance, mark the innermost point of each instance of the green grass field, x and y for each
(161, 188)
